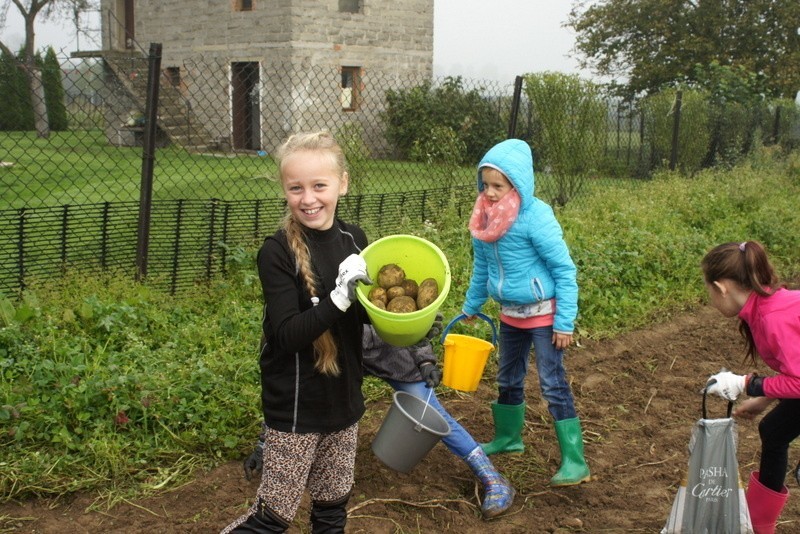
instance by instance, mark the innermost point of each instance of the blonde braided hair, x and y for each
(325, 349)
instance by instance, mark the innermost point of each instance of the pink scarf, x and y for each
(491, 220)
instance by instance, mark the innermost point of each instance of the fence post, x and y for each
(104, 236)
(21, 249)
(148, 158)
(64, 227)
(676, 126)
(512, 121)
(177, 248)
(212, 224)
(776, 126)
(224, 252)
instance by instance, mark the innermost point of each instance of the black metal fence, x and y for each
(200, 175)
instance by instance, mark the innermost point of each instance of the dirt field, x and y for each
(638, 397)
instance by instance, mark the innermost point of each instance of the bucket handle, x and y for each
(462, 316)
(418, 426)
(705, 390)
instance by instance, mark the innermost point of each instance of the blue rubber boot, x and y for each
(498, 493)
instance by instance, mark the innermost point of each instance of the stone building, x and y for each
(243, 74)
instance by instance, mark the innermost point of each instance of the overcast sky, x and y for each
(509, 38)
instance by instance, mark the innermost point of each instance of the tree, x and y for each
(658, 43)
(54, 91)
(30, 10)
(15, 112)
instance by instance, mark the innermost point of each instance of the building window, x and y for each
(350, 6)
(351, 85)
(243, 5)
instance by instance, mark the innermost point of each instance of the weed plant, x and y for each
(114, 387)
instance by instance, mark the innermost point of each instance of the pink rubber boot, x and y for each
(765, 505)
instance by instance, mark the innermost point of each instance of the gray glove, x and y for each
(254, 463)
(351, 271)
(436, 327)
(431, 374)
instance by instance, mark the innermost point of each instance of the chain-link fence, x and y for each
(201, 175)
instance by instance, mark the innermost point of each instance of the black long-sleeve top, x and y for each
(296, 397)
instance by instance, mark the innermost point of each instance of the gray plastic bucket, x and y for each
(409, 431)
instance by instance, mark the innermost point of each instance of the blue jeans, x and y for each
(459, 441)
(515, 348)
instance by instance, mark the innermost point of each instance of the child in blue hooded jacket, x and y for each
(520, 260)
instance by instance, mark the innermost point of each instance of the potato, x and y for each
(378, 293)
(391, 275)
(402, 304)
(378, 303)
(427, 293)
(410, 286)
(394, 292)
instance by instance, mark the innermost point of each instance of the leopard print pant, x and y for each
(323, 463)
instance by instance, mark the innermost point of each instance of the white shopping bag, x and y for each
(711, 498)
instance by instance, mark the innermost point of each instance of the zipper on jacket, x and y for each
(538, 291)
(501, 273)
(296, 389)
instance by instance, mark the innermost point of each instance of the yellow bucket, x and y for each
(465, 356)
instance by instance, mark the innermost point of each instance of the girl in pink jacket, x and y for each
(741, 282)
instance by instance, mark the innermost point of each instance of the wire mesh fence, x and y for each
(73, 197)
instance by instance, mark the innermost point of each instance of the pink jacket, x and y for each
(775, 324)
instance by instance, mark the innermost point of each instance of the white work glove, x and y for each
(351, 271)
(726, 384)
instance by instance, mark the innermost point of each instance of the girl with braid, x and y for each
(311, 362)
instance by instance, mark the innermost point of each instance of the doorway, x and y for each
(123, 21)
(246, 105)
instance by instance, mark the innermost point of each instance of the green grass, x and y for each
(83, 168)
(118, 388)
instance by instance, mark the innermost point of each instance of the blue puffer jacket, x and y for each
(531, 262)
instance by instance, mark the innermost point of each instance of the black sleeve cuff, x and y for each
(755, 387)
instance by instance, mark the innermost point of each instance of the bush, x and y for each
(351, 138)
(441, 147)
(412, 114)
(570, 129)
(693, 131)
(788, 113)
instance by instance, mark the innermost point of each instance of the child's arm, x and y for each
(750, 408)
(780, 386)
(477, 292)
(547, 238)
(293, 327)
(562, 341)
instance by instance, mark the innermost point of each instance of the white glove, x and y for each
(351, 271)
(726, 384)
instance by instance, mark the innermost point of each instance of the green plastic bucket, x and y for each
(420, 259)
